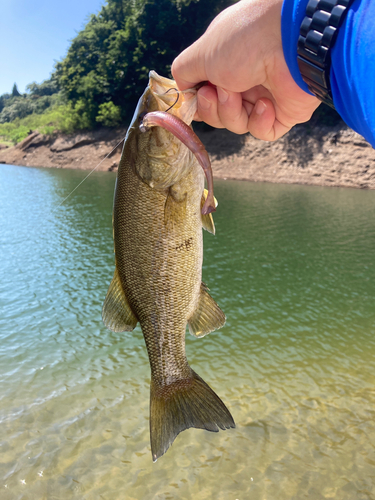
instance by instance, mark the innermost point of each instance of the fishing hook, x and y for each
(178, 96)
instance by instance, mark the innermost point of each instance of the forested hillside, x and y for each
(107, 64)
(105, 70)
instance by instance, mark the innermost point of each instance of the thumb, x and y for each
(188, 69)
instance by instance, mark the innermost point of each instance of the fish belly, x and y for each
(159, 248)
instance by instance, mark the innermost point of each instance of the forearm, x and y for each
(352, 62)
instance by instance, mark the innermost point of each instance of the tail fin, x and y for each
(181, 405)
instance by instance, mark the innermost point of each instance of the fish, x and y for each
(160, 207)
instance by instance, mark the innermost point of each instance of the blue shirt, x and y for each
(352, 73)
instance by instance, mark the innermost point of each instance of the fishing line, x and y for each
(88, 175)
(117, 145)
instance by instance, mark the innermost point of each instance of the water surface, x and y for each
(293, 269)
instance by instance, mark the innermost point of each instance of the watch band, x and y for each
(318, 34)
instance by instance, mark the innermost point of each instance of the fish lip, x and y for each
(185, 108)
(160, 87)
(182, 104)
(162, 80)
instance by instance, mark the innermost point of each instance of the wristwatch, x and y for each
(318, 34)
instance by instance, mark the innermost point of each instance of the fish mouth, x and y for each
(167, 97)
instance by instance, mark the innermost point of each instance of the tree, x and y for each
(109, 60)
(15, 92)
(37, 100)
(46, 88)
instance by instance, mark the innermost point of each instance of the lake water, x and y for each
(293, 268)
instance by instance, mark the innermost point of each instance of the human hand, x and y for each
(241, 55)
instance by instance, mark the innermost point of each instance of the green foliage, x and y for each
(18, 134)
(39, 98)
(106, 68)
(109, 115)
(15, 108)
(65, 118)
(15, 92)
(110, 58)
(46, 88)
(3, 101)
(19, 107)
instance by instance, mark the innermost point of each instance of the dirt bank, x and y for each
(308, 154)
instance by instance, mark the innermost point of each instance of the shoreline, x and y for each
(309, 154)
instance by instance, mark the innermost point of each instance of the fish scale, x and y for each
(157, 226)
(151, 256)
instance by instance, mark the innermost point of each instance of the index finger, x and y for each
(188, 69)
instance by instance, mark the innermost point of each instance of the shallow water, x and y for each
(293, 269)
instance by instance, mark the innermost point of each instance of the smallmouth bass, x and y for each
(157, 229)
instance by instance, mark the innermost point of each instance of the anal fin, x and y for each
(207, 317)
(116, 313)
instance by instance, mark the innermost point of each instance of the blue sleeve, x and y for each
(352, 72)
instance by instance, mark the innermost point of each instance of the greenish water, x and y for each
(293, 269)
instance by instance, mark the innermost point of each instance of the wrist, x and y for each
(308, 38)
(318, 33)
(292, 15)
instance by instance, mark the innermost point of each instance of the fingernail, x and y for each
(222, 95)
(260, 108)
(203, 102)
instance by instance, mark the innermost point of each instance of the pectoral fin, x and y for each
(207, 220)
(207, 317)
(174, 209)
(116, 313)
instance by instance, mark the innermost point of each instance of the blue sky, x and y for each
(36, 33)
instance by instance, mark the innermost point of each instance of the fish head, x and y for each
(162, 94)
(161, 158)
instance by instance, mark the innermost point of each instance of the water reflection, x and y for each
(293, 269)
